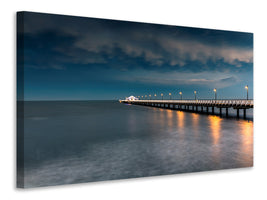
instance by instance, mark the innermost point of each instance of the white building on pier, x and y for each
(131, 98)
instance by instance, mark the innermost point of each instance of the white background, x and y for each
(236, 15)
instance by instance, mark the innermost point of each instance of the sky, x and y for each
(77, 58)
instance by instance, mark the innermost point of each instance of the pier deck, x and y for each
(197, 105)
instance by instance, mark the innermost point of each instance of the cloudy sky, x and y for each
(74, 58)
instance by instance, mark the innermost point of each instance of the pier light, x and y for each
(181, 94)
(170, 94)
(195, 92)
(215, 93)
(246, 87)
(146, 96)
(150, 96)
(161, 96)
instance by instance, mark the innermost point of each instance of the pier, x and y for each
(199, 106)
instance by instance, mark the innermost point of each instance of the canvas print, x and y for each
(101, 99)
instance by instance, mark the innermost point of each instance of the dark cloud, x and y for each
(89, 41)
(77, 52)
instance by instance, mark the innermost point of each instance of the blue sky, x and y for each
(75, 58)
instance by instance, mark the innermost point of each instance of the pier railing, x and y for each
(230, 102)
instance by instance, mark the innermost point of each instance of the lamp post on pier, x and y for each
(181, 94)
(170, 94)
(162, 96)
(247, 90)
(195, 92)
(215, 93)
(155, 96)
(150, 97)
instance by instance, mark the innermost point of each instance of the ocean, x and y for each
(69, 142)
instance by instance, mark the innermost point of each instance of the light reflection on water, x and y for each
(180, 117)
(195, 123)
(74, 142)
(246, 136)
(215, 127)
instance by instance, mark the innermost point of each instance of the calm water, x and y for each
(73, 142)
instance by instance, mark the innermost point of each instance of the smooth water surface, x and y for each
(82, 141)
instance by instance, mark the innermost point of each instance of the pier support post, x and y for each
(207, 109)
(196, 108)
(244, 113)
(220, 111)
(212, 108)
(201, 108)
(226, 110)
(237, 112)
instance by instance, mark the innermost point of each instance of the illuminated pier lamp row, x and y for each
(181, 94)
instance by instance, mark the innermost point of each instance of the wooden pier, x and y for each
(199, 106)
